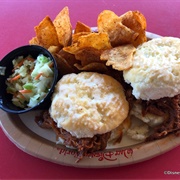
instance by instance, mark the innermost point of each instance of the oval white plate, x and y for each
(26, 135)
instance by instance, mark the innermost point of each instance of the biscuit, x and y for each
(88, 103)
(156, 69)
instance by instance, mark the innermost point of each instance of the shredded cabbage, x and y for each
(30, 81)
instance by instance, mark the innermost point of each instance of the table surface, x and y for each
(18, 19)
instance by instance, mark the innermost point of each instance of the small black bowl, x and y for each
(6, 63)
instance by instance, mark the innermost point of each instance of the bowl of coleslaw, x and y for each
(28, 75)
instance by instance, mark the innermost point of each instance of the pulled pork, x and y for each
(84, 146)
(168, 108)
(162, 106)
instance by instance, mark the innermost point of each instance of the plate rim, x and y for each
(33, 144)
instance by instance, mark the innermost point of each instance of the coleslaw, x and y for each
(30, 81)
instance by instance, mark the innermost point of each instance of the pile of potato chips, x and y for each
(111, 47)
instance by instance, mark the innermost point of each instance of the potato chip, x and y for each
(137, 22)
(54, 49)
(119, 34)
(122, 30)
(76, 36)
(81, 27)
(121, 57)
(99, 41)
(63, 66)
(63, 27)
(134, 20)
(84, 50)
(93, 67)
(88, 55)
(34, 41)
(70, 58)
(105, 18)
(46, 33)
(122, 35)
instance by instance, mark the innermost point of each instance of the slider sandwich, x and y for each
(87, 108)
(155, 85)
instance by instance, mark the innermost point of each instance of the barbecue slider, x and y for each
(155, 81)
(86, 108)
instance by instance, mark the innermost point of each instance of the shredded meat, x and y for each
(168, 108)
(172, 123)
(84, 146)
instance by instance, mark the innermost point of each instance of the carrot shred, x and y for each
(18, 65)
(25, 91)
(21, 62)
(20, 95)
(38, 76)
(15, 78)
(29, 59)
